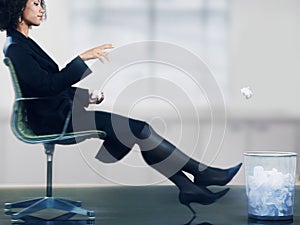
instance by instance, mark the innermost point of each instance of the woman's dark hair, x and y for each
(11, 11)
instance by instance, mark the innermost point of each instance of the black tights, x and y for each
(163, 156)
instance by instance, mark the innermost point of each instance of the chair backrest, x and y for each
(19, 119)
(17, 89)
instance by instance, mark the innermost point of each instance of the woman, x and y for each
(39, 76)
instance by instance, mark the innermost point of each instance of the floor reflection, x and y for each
(66, 220)
(159, 206)
(261, 222)
(193, 219)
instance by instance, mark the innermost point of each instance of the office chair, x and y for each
(23, 132)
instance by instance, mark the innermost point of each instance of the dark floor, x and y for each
(153, 205)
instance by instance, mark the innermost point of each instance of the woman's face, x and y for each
(33, 13)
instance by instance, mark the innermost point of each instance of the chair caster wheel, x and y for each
(7, 206)
(91, 215)
(6, 210)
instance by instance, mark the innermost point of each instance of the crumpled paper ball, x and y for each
(247, 92)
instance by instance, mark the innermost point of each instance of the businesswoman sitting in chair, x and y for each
(39, 76)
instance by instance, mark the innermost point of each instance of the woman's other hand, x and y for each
(96, 97)
(99, 52)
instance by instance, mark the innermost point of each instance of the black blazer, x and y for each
(39, 76)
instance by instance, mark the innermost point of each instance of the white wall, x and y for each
(265, 55)
(265, 50)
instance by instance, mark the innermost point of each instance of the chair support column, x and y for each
(49, 150)
(48, 202)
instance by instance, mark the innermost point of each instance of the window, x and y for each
(200, 26)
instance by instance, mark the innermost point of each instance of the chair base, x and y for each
(35, 205)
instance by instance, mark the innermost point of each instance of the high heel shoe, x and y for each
(200, 195)
(216, 176)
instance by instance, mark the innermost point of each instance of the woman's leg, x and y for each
(163, 155)
(168, 160)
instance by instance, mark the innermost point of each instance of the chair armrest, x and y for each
(31, 98)
(61, 137)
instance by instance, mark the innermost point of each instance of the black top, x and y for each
(39, 76)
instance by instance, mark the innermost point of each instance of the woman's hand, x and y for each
(96, 97)
(97, 53)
